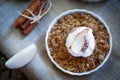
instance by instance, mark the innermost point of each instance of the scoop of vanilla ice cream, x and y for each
(80, 42)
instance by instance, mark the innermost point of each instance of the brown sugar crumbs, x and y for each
(57, 40)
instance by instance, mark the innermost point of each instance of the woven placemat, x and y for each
(41, 68)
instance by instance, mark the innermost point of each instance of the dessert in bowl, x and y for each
(78, 42)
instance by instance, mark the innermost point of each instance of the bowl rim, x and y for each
(72, 12)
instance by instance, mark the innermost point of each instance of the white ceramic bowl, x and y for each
(71, 12)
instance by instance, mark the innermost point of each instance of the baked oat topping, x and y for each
(57, 40)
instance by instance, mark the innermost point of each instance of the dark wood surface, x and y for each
(7, 74)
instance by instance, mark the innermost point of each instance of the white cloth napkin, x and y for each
(41, 68)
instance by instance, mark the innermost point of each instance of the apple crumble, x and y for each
(57, 40)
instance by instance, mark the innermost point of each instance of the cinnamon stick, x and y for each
(31, 26)
(27, 22)
(35, 4)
